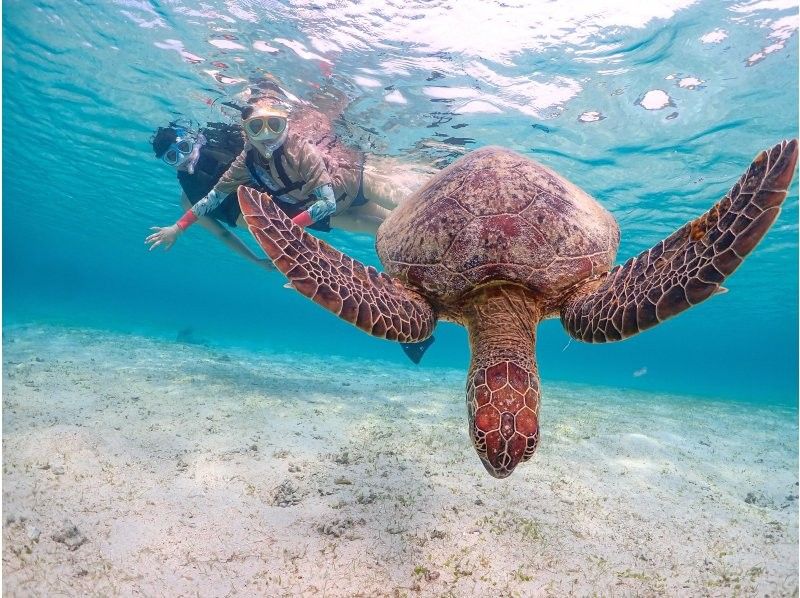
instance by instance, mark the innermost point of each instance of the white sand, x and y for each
(192, 471)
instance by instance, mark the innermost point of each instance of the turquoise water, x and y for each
(85, 84)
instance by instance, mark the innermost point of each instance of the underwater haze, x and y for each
(180, 423)
(654, 109)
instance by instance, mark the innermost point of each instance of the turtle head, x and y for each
(503, 380)
(503, 404)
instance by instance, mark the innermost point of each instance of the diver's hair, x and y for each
(253, 103)
(266, 86)
(162, 139)
(264, 89)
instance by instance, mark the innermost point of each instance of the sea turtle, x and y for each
(497, 242)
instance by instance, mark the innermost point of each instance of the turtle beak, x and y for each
(502, 408)
(497, 473)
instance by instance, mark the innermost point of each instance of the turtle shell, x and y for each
(497, 216)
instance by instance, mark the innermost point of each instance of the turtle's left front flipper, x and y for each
(688, 266)
(358, 294)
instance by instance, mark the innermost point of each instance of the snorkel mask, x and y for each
(265, 125)
(182, 154)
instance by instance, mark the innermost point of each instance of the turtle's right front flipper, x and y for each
(688, 266)
(356, 293)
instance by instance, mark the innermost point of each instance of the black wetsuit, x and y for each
(223, 144)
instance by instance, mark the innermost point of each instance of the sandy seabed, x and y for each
(137, 467)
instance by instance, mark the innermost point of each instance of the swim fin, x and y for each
(415, 351)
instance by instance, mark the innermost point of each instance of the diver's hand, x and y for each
(165, 237)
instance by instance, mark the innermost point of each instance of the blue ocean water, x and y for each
(655, 110)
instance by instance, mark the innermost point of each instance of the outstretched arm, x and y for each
(229, 239)
(236, 175)
(688, 266)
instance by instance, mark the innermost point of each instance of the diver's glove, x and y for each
(187, 220)
(201, 208)
(303, 219)
(324, 206)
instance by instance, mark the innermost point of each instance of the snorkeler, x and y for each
(309, 182)
(310, 175)
(200, 158)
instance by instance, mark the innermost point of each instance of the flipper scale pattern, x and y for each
(688, 266)
(372, 301)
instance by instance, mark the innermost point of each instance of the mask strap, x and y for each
(195, 155)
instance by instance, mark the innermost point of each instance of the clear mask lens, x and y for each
(276, 124)
(264, 127)
(178, 151)
(171, 157)
(255, 126)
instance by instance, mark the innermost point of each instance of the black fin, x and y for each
(415, 351)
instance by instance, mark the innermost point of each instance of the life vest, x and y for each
(281, 193)
(277, 191)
